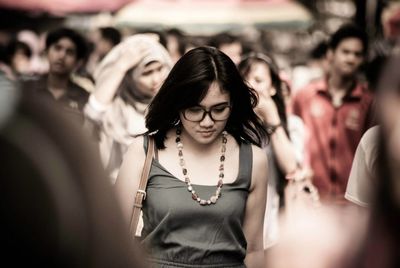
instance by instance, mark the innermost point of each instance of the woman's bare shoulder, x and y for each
(136, 146)
(259, 155)
(260, 165)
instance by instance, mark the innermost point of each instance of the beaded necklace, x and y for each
(213, 199)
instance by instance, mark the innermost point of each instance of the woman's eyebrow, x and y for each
(215, 105)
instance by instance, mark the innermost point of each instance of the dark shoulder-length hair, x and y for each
(244, 68)
(187, 84)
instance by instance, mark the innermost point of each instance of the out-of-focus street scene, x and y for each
(200, 133)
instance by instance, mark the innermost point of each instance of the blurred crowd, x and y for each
(72, 103)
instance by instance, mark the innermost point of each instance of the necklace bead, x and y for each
(213, 199)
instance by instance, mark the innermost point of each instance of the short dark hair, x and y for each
(222, 39)
(111, 34)
(74, 36)
(319, 51)
(349, 31)
(187, 84)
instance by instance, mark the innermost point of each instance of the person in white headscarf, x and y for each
(126, 80)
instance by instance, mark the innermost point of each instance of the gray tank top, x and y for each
(178, 232)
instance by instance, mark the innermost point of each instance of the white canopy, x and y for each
(211, 16)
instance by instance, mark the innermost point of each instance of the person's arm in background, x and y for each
(282, 146)
(110, 72)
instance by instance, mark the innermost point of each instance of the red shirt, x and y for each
(334, 133)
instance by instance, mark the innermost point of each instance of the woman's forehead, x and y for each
(152, 65)
(215, 95)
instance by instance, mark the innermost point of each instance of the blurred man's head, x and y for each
(176, 43)
(66, 49)
(108, 38)
(347, 49)
(229, 44)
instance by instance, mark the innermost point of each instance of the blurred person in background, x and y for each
(57, 206)
(65, 49)
(228, 43)
(195, 41)
(19, 55)
(322, 238)
(176, 43)
(6, 73)
(362, 178)
(207, 187)
(126, 80)
(381, 245)
(363, 175)
(315, 68)
(109, 37)
(361, 245)
(336, 110)
(262, 74)
(104, 39)
(388, 39)
(38, 64)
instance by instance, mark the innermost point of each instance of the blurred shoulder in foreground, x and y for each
(58, 209)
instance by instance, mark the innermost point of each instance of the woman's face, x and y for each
(259, 78)
(208, 130)
(151, 78)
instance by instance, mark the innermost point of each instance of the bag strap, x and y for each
(141, 192)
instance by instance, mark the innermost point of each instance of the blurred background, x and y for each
(287, 28)
(296, 33)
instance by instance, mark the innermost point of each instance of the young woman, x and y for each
(262, 74)
(126, 80)
(207, 187)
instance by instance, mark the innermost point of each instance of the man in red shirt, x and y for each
(337, 110)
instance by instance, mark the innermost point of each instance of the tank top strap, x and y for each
(245, 164)
(146, 144)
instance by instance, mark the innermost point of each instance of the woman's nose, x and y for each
(207, 121)
(156, 78)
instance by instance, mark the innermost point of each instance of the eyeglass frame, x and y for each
(205, 112)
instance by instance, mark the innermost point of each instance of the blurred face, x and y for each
(151, 78)
(233, 50)
(390, 115)
(173, 48)
(206, 131)
(62, 57)
(259, 78)
(103, 46)
(347, 57)
(20, 62)
(389, 111)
